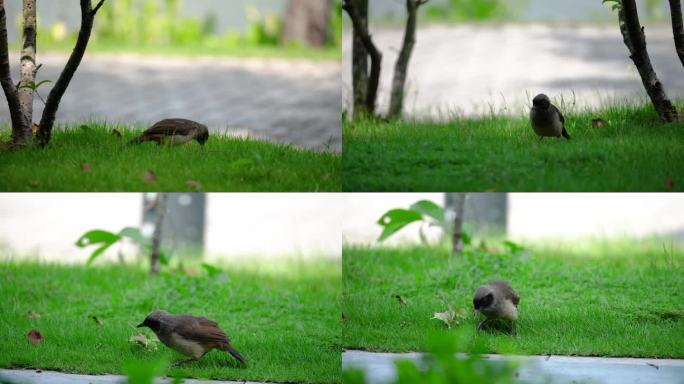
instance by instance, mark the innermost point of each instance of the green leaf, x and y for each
(429, 209)
(135, 235)
(41, 83)
(164, 257)
(97, 236)
(513, 247)
(396, 219)
(211, 270)
(465, 238)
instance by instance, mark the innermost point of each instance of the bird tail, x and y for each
(228, 348)
(565, 134)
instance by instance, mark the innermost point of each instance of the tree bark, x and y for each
(8, 87)
(308, 22)
(677, 27)
(28, 71)
(457, 235)
(160, 208)
(401, 66)
(635, 40)
(360, 62)
(47, 120)
(360, 24)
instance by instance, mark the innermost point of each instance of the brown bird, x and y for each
(174, 131)
(192, 336)
(496, 300)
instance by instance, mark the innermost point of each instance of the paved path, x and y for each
(26, 376)
(379, 368)
(293, 101)
(473, 69)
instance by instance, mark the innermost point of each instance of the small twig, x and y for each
(97, 7)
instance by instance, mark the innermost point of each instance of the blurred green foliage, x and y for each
(468, 10)
(160, 23)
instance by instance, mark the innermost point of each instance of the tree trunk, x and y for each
(457, 204)
(307, 21)
(360, 61)
(160, 208)
(47, 120)
(19, 125)
(677, 27)
(401, 66)
(360, 25)
(635, 40)
(28, 71)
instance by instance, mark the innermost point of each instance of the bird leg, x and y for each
(178, 363)
(479, 326)
(541, 138)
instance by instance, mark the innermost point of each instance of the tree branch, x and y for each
(635, 40)
(47, 120)
(375, 55)
(10, 90)
(677, 27)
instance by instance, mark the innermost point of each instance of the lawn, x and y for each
(286, 323)
(92, 158)
(587, 298)
(633, 151)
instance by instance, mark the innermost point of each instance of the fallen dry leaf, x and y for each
(33, 315)
(401, 299)
(149, 177)
(598, 123)
(669, 184)
(34, 336)
(344, 317)
(194, 184)
(86, 167)
(451, 317)
(34, 183)
(490, 190)
(97, 320)
(116, 132)
(34, 128)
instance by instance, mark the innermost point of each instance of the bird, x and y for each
(496, 300)
(175, 131)
(546, 119)
(190, 335)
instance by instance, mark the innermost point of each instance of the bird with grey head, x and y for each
(189, 335)
(174, 131)
(496, 300)
(546, 119)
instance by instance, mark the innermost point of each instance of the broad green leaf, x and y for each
(513, 247)
(97, 236)
(429, 209)
(465, 238)
(41, 83)
(211, 270)
(135, 235)
(396, 219)
(163, 257)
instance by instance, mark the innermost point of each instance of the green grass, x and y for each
(225, 164)
(238, 51)
(633, 152)
(285, 323)
(584, 298)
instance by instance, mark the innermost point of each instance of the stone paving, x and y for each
(476, 69)
(379, 368)
(30, 376)
(291, 101)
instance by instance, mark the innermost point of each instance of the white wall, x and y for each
(239, 225)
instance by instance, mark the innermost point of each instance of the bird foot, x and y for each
(181, 362)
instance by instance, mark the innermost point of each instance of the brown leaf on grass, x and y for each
(34, 128)
(34, 183)
(149, 177)
(194, 184)
(117, 133)
(400, 299)
(97, 320)
(669, 184)
(33, 315)
(34, 336)
(490, 190)
(344, 317)
(190, 271)
(86, 167)
(598, 123)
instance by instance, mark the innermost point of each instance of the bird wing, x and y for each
(560, 115)
(507, 290)
(171, 127)
(200, 329)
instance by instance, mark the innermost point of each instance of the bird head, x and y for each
(153, 320)
(484, 298)
(203, 136)
(541, 101)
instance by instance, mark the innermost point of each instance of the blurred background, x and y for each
(231, 227)
(525, 216)
(483, 57)
(266, 68)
